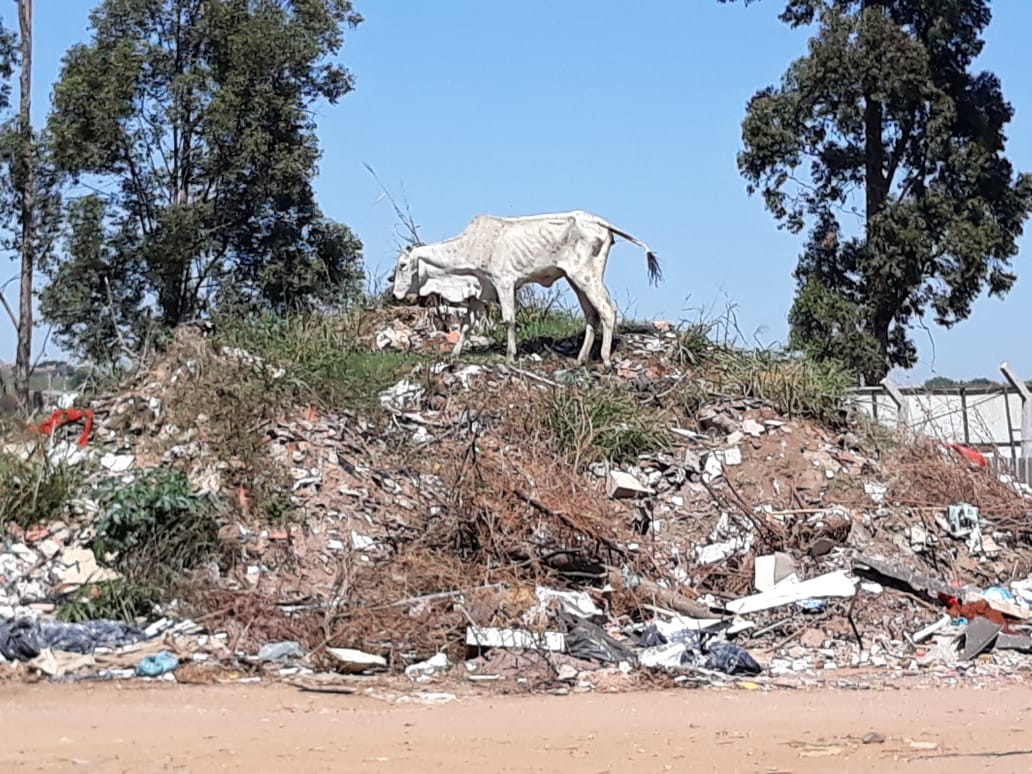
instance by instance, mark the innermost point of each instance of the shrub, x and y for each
(153, 531)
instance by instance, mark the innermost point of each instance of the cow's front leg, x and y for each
(464, 326)
(474, 310)
(507, 301)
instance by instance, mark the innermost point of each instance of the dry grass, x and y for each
(925, 474)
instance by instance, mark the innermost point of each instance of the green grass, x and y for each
(33, 491)
(600, 424)
(322, 361)
(793, 384)
(540, 317)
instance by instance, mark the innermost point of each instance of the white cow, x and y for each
(459, 290)
(504, 254)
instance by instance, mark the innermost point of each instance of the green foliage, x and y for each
(33, 491)
(320, 356)
(540, 316)
(597, 424)
(884, 117)
(944, 382)
(795, 385)
(828, 326)
(8, 59)
(198, 118)
(156, 509)
(153, 531)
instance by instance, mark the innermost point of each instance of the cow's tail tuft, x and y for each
(652, 260)
(655, 272)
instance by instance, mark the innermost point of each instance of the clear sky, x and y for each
(466, 107)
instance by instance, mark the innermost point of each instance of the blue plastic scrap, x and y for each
(157, 665)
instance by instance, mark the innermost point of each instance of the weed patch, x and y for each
(594, 425)
(33, 490)
(794, 385)
(320, 358)
(540, 317)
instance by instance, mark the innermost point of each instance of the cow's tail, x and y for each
(655, 272)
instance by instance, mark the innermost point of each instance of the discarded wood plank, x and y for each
(668, 598)
(832, 584)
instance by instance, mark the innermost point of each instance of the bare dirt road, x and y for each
(278, 728)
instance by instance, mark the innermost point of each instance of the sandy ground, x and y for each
(279, 728)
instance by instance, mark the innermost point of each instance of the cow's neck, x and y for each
(446, 255)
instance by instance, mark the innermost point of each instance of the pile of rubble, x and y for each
(447, 539)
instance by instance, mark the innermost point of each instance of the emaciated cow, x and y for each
(504, 254)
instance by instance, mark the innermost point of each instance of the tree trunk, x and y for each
(23, 358)
(876, 189)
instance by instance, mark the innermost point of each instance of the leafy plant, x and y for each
(152, 530)
(156, 509)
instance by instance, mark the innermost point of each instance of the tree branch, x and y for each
(897, 152)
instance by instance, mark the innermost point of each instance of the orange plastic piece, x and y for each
(63, 417)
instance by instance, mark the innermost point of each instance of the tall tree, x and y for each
(26, 185)
(192, 122)
(8, 58)
(29, 200)
(885, 143)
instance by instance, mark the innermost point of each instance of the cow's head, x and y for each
(406, 273)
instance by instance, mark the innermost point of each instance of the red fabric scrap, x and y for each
(973, 456)
(978, 608)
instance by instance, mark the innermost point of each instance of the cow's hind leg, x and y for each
(591, 322)
(599, 297)
(507, 301)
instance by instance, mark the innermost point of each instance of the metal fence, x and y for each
(995, 419)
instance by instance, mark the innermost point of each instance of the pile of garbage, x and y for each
(442, 538)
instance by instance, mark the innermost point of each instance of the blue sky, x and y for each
(465, 106)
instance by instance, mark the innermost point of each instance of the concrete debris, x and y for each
(80, 568)
(577, 603)
(746, 531)
(771, 569)
(425, 670)
(350, 660)
(280, 651)
(621, 485)
(403, 396)
(753, 428)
